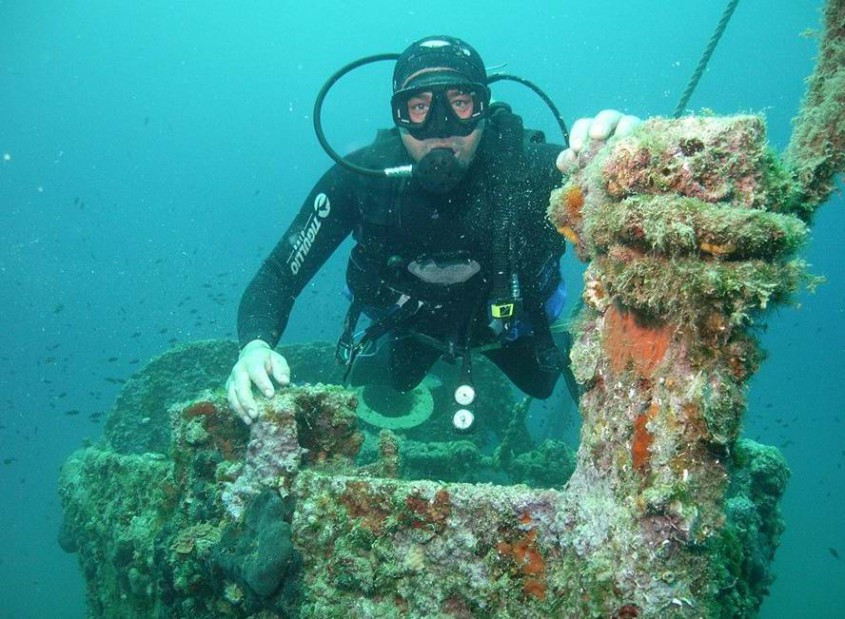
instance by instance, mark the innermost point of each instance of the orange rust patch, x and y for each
(642, 439)
(432, 514)
(529, 561)
(534, 587)
(362, 503)
(716, 249)
(568, 217)
(229, 437)
(569, 234)
(200, 409)
(628, 343)
(573, 202)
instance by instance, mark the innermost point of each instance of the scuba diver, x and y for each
(454, 255)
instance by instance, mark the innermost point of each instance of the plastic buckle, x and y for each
(502, 309)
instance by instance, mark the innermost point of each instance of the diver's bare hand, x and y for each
(605, 124)
(256, 364)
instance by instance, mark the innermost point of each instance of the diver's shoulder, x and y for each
(542, 152)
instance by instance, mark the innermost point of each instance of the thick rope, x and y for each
(705, 58)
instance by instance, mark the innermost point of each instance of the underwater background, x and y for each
(151, 154)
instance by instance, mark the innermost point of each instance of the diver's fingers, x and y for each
(566, 160)
(243, 387)
(579, 133)
(604, 124)
(235, 403)
(257, 370)
(278, 367)
(232, 397)
(626, 124)
(239, 390)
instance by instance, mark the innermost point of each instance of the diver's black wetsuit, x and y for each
(395, 221)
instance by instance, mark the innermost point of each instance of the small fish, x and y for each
(72, 412)
(834, 552)
(111, 359)
(8, 461)
(58, 308)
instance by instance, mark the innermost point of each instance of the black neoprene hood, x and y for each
(435, 52)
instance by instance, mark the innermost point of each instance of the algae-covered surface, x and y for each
(690, 228)
(280, 520)
(198, 515)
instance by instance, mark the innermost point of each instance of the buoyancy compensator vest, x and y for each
(381, 274)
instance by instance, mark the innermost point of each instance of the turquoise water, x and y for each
(152, 153)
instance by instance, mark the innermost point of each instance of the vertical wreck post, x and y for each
(689, 229)
(817, 149)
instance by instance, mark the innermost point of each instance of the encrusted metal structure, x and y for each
(690, 228)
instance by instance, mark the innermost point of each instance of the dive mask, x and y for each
(440, 110)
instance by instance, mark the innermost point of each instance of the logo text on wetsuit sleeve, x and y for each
(303, 241)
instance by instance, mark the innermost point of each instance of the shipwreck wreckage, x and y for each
(689, 228)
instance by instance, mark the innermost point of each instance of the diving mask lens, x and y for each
(458, 106)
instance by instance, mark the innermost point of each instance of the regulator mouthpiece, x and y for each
(439, 171)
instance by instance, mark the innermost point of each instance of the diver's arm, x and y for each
(324, 220)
